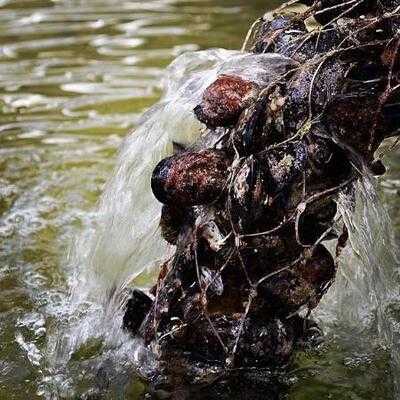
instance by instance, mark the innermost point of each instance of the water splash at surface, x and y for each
(363, 304)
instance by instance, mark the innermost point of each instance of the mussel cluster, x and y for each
(248, 214)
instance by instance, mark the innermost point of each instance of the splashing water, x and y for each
(364, 301)
(126, 241)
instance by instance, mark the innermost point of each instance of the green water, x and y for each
(75, 76)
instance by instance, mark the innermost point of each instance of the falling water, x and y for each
(364, 301)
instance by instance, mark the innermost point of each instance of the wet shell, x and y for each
(377, 168)
(330, 10)
(286, 165)
(137, 308)
(248, 194)
(303, 284)
(352, 119)
(192, 178)
(224, 100)
(172, 220)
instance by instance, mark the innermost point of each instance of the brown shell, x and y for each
(224, 100)
(303, 284)
(191, 178)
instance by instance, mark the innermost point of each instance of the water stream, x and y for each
(74, 79)
(364, 303)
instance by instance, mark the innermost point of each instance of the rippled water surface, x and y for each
(74, 78)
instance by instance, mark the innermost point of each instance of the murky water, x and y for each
(74, 78)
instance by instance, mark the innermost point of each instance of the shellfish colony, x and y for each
(249, 206)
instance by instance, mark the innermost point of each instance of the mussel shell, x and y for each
(191, 178)
(137, 308)
(352, 119)
(224, 100)
(248, 193)
(377, 168)
(303, 284)
(286, 165)
(330, 10)
(173, 219)
(275, 34)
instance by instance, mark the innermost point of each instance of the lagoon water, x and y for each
(75, 77)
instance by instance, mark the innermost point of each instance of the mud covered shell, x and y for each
(191, 178)
(224, 100)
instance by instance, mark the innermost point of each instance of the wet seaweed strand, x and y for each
(248, 214)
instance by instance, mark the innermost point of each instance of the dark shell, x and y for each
(286, 165)
(248, 194)
(275, 35)
(391, 116)
(172, 220)
(352, 118)
(377, 168)
(137, 308)
(262, 253)
(320, 152)
(324, 82)
(252, 128)
(329, 10)
(302, 284)
(316, 220)
(391, 55)
(191, 178)
(269, 343)
(285, 35)
(263, 343)
(224, 100)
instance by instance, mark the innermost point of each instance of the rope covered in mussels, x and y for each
(248, 215)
